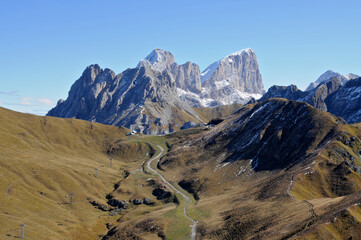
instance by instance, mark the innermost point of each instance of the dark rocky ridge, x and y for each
(274, 134)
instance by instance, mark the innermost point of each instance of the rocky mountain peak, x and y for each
(211, 69)
(234, 78)
(91, 72)
(159, 59)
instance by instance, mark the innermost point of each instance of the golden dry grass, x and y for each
(43, 159)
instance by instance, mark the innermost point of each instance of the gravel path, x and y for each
(194, 226)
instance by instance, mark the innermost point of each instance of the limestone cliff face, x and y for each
(141, 99)
(186, 76)
(235, 78)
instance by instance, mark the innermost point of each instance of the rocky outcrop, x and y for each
(118, 203)
(148, 201)
(137, 201)
(161, 193)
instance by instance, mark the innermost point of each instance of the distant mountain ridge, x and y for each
(158, 96)
(330, 95)
(326, 76)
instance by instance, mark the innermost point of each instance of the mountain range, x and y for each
(159, 95)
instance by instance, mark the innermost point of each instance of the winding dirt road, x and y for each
(194, 226)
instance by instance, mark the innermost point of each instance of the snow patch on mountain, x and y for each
(208, 72)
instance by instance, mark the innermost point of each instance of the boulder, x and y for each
(148, 201)
(137, 201)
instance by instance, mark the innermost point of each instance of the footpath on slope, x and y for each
(194, 226)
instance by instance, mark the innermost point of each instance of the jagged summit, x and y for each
(234, 78)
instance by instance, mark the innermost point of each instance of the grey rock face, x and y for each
(235, 78)
(186, 76)
(343, 101)
(141, 99)
(317, 96)
(346, 102)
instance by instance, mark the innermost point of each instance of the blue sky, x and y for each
(46, 45)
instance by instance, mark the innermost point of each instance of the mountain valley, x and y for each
(257, 162)
(169, 152)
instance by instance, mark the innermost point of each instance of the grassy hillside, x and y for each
(275, 170)
(44, 159)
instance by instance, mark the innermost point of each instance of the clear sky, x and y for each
(46, 45)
